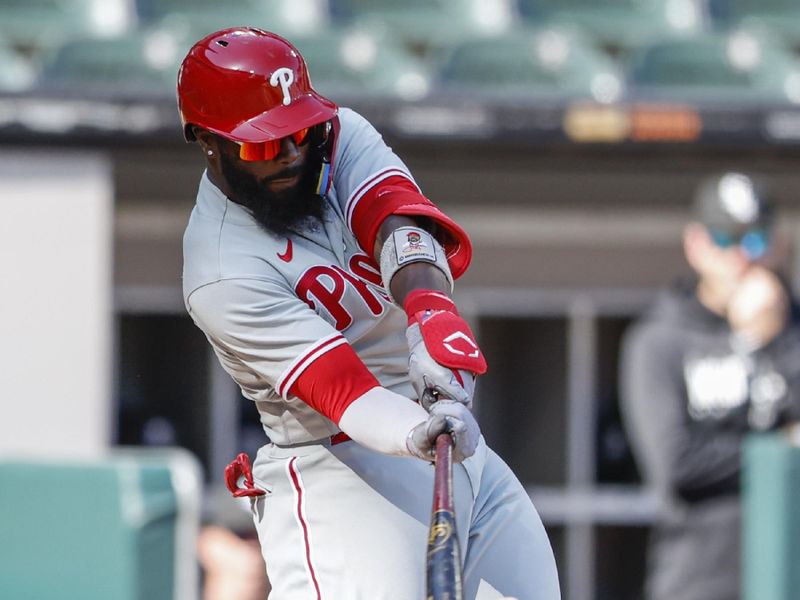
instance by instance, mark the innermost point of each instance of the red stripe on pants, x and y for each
(299, 489)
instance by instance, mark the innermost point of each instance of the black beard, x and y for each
(277, 212)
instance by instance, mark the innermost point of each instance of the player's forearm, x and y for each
(418, 276)
(382, 420)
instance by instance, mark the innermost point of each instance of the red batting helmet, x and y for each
(248, 85)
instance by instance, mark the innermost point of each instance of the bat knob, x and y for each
(429, 398)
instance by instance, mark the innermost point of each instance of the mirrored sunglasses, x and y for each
(254, 151)
(753, 242)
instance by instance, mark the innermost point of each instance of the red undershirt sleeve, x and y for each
(333, 381)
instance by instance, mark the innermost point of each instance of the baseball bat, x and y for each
(443, 574)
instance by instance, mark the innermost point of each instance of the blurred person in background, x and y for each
(229, 553)
(716, 357)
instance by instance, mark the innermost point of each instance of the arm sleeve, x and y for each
(677, 456)
(382, 420)
(268, 339)
(372, 183)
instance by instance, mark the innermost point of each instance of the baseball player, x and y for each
(321, 276)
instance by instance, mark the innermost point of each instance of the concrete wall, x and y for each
(56, 217)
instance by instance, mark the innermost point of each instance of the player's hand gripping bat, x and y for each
(443, 577)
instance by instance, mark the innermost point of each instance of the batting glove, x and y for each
(445, 416)
(239, 478)
(444, 357)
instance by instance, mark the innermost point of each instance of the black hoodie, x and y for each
(690, 392)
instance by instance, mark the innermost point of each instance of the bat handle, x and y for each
(443, 581)
(443, 477)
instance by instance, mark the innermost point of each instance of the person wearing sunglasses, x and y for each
(716, 357)
(321, 275)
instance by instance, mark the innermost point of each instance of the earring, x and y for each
(210, 152)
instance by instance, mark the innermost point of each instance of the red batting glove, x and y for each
(444, 356)
(239, 478)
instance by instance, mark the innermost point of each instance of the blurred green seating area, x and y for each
(605, 51)
(340, 61)
(552, 64)
(428, 26)
(285, 17)
(135, 63)
(780, 18)
(740, 66)
(37, 26)
(619, 25)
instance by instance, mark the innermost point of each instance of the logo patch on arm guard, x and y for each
(412, 244)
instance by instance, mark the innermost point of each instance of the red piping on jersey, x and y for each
(298, 488)
(374, 179)
(305, 359)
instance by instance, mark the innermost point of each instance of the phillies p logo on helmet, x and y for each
(283, 77)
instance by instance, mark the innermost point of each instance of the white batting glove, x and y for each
(443, 355)
(445, 416)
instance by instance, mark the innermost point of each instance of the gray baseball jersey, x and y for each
(341, 521)
(302, 295)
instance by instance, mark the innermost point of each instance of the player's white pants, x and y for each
(345, 523)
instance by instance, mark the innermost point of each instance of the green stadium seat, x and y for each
(17, 72)
(720, 68)
(201, 17)
(781, 17)
(353, 62)
(547, 63)
(40, 25)
(428, 26)
(138, 63)
(618, 24)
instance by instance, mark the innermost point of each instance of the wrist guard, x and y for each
(407, 245)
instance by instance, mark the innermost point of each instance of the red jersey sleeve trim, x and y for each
(397, 195)
(333, 381)
(370, 182)
(301, 363)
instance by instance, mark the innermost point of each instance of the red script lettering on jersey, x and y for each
(327, 285)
